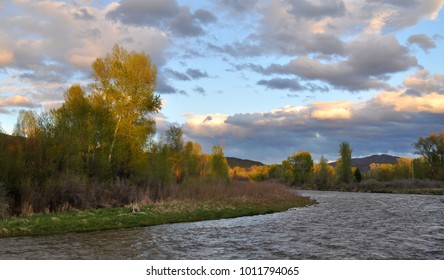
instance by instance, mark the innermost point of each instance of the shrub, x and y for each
(4, 205)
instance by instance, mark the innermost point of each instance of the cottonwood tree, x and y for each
(219, 165)
(344, 164)
(126, 82)
(432, 149)
(323, 174)
(301, 165)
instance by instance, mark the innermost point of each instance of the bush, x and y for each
(4, 205)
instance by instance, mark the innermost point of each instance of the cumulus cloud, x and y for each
(279, 83)
(17, 101)
(196, 73)
(49, 45)
(423, 82)
(423, 41)
(162, 14)
(6, 57)
(365, 67)
(389, 122)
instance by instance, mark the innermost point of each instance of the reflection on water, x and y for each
(341, 226)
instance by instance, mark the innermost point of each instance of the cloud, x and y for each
(199, 90)
(339, 110)
(177, 75)
(423, 41)
(365, 67)
(196, 73)
(162, 14)
(424, 82)
(17, 101)
(144, 13)
(6, 57)
(205, 16)
(238, 8)
(278, 83)
(310, 9)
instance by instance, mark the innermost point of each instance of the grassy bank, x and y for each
(421, 187)
(235, 201)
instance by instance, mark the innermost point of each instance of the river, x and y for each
(342, 226)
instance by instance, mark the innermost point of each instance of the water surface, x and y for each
(342, 226)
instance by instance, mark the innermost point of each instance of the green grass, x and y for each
(149, 215)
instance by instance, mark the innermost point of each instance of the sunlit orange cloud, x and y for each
(214, 125)
(431, 103)
(16, 100)
(331, 110)
(6, 57)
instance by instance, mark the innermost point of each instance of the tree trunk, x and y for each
(111, 149)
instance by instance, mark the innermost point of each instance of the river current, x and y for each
(342, 226)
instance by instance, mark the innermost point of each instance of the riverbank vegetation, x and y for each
(185, 204)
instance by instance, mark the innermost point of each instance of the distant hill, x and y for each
(364, 163)
(244, 163)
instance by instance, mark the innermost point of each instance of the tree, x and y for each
(357, 174)
(323, 174)
(432, 149)
(74, 129)
(404, 168)
(192, 158)
(344, 165)
(26, 125)
(301, 165)
(174, 144)
(126, 82)
(219, 165)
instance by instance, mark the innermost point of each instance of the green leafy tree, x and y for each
(219, 164)
(344, 164)
(26, 125)
(192, 158)
(432, 149)
(301, 167)
(323, 174)
(357, 175)
(126, 82)
(174, 144)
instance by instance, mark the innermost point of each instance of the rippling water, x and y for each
(341, 226)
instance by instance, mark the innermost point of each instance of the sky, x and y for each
(263, 78)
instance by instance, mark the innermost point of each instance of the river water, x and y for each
(342, 226)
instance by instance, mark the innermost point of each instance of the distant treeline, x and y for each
(299, 168)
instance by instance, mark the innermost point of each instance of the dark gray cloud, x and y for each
(199, 90)
(304, 8)
(177, 75)
(141, 12)
(83, 14)
(238, 7)
(205, 16)
(423, 41)
(282, 84)
(162, 14)
(163, 87)
(185, 24)
(196, 73)
(366, 66)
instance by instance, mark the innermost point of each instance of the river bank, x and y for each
(420, 187)
(165, 212)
